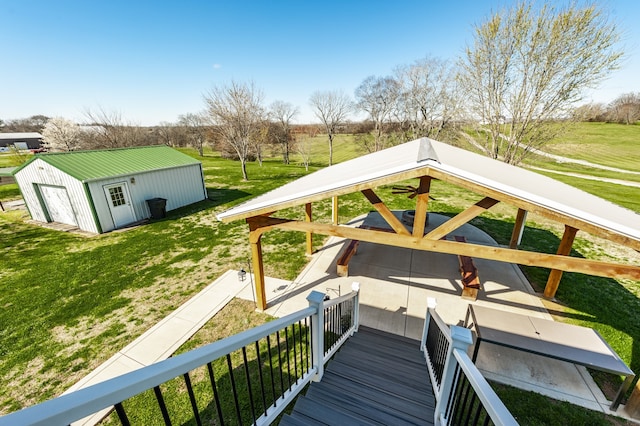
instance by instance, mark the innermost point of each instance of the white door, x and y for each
(58, 204)
(120, 204)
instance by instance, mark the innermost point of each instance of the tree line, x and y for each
(525, 71)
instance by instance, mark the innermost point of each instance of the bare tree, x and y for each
(35, 123)
(195, 126)
(60, 134)
(237, 114)
(590, 112)
(527, 67)
(332, 109)
(378, 96)
(282, 113)
(110, 130)
(171, 134)
(303, 148)
(430, 97)
(625, 108)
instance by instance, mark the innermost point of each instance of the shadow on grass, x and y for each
(215, 198)
(219, 196)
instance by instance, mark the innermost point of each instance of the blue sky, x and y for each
(153, 60)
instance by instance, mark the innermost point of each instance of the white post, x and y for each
(431, 304)
(460, 339)
(355, 286)
(316, 299)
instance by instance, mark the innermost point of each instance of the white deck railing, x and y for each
(463, 395)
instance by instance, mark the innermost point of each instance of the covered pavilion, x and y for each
(425, 160)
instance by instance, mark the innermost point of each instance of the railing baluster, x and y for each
(465, 407)
(479, 409)
(307, 335)
(280, 362)
(295, 355)
(216, 397)
(192, 398)
(264, 398)
(454, 396)
(286, 342)
(121, 414)
(248, 377)
(233, 389)
(273, 380)
(163, 407)
(301, 343)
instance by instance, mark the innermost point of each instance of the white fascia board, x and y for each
(257, 205)
(542, 201)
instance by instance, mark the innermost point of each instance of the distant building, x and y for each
(102, 190)
(31, 139)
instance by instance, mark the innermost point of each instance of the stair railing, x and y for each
(463, 396)
(250, 377)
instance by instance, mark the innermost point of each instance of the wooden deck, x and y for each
(375, 378)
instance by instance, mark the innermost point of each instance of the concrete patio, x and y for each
(395, 284)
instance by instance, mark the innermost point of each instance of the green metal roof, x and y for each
(94, 165)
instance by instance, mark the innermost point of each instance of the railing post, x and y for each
(460, 339)
(355, 286)
(315, 299)
(431, 304)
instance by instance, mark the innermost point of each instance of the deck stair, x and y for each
(376, 378)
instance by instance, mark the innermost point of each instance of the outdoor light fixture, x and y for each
(133, 180)
(242, 275)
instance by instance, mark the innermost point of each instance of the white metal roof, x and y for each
(422, 153)
(23, 135)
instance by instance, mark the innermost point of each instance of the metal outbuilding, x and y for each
(102, 190)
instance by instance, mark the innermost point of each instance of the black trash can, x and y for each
(157, 207)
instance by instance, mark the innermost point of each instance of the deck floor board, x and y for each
(375, 378)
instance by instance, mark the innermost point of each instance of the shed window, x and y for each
(117, 197)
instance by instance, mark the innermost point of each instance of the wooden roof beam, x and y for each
(384, 211)
(544, 260)
(460, 219)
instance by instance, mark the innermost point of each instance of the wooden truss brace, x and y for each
(454, 223)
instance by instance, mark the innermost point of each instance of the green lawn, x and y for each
(70, 302)
(608, 144)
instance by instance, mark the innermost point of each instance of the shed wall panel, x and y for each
(42, 173)
(180, 186)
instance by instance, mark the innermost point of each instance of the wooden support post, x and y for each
(255, 236)
(518, 229)
(422, 206)
(308, 218)
(632, 407)
(564, 249)
(335, 218)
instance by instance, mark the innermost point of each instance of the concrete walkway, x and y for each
(164, 338)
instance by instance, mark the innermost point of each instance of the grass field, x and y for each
(70, 302)
(608, 144)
